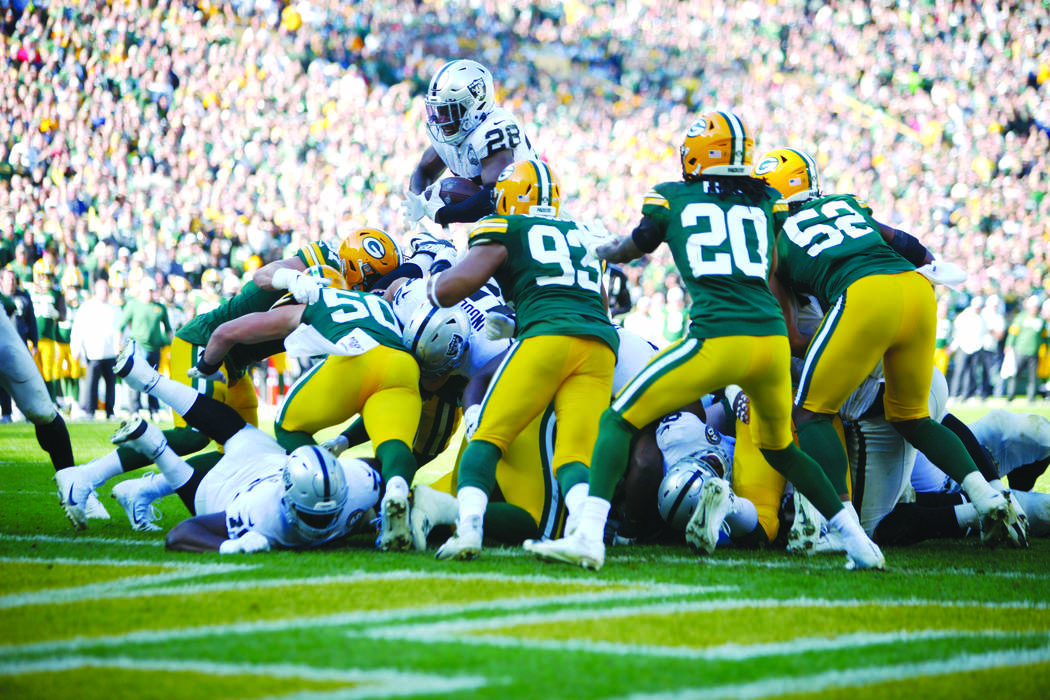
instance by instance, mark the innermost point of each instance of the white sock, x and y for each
(103, 469)
(575, 497)
(174, 469)
(595, 511)
(179, 396)
(743, 519)
(472, 501)
(997, 484)
(846, 521)
(966, 514)
(977, 488)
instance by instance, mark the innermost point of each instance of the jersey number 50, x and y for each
(721, 224)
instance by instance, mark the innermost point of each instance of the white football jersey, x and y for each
(681, 434)
(251, 456)
(1014, 439)
(498, 132)
(412, 296)
(634, 354)
(258, 507)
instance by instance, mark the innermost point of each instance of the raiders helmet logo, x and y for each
(454, 345)
(373, 246)
(767, 165)
(477, 89)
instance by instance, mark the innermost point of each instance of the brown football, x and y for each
(455, 189)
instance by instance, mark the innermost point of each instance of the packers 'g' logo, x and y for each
(696, 128)
(767, 165)
(373, 246)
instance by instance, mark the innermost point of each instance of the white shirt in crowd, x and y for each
(96, 330)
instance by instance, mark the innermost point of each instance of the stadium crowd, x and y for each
(170, 149)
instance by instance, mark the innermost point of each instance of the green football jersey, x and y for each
(830, 243)
(338, 312)
(47, 305)
(722, 248)
(548, 276)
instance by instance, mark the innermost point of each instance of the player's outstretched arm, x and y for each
(250, 328)
(470, 274)
(204, 533)
(427, 171)
(264, 275)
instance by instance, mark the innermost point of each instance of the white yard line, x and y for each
(74, 538)
(855, 678)
(367, 683)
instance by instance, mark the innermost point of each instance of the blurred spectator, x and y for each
(95, 341)
(994, 318)
(968, 334)
(146, 320)
(1027, 336)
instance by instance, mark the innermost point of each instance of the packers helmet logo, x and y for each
(373, 246)
(767, 165)
(696, 128)
(505, 175)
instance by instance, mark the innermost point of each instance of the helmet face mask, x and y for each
(791, 172)
(315, 491)
(527, 187)
(459, 98)
(438, 338)
(367, 254)
(718, 143)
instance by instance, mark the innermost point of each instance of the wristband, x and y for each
(206, 368)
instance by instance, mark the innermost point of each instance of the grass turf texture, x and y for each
(109, 613)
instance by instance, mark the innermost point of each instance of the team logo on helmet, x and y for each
(767, 165)
(455, 345)
(696, 128)
(373, 246)
(713, 436)
(477, 88)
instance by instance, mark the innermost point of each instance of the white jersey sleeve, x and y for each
(499, 131)
(1014, 439)
(634, 354)
(681, 434)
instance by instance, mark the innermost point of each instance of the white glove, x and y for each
(470, 420)
(498, 326)
(430, 200)
(336, 445)
(250, 542)
(217, 376)
(740, 402)
(412, 207)
(943, 272)
(305, 288)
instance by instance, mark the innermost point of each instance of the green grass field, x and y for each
(108, 613)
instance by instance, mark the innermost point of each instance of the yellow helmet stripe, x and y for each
(543, 178)
(737, 131)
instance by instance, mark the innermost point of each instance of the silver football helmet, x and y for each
(459, 98)
(438, 338)
(679, 493)
(315, 491)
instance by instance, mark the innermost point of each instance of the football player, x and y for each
(830, 246)
(366, 370)
(718, 222)
(363, 256)
(470, 136)
(563, 336)
(254, 495)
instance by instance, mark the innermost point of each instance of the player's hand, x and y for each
(336, 445)
(431, 201)
(197, 373)
(412, 207)
(250, 542)
(943, 272)
(470, 420)
(498, 326)
(307, 289)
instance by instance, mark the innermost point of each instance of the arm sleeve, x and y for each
(909, 247)
(647, 235)
(475, 207)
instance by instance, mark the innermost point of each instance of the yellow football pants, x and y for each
(892, 318)
(382, 385)
(241, 397)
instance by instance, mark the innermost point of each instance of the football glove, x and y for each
(417, 206)
(250, 542)
(498, 326)
(336, 445)
(943, 272)
(412, 207)
(198, 373)
(740, 402)
(471, 415)
(304, 288)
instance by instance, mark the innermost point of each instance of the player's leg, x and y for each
(327, 394)
(514, 398)
(754, 480)
(908, 372)
(241, 397)
(184, 356)
(525, 481)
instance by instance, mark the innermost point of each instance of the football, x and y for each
(454, 190)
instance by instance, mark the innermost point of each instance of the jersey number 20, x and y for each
(721, 224)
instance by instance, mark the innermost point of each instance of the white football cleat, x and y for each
(1001, 521)
(94, 508)
(140, 435)
(716, 502)
(132, 366)
(465, 543)
(395, 534)
(573, 549)
(136, 497)
(806, 528)
(73, 490)
(861, 552)
(430, 508)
